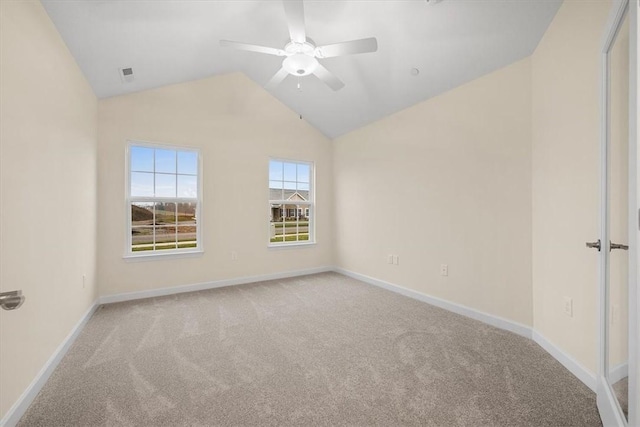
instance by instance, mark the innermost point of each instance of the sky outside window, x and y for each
(163, 173)
(289, 175)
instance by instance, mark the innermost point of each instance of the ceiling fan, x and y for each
(301, 54)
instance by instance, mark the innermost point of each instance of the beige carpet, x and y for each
(315, 350)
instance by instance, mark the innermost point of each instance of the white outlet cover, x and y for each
(444, 270)
(568, 306)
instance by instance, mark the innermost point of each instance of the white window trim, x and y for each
(129, 255)
(310, 204)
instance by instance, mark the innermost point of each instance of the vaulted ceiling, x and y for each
(164, 42)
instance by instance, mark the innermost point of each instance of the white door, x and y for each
(617, 392)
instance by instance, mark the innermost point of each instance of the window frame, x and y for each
(310, 205)
(129, 254)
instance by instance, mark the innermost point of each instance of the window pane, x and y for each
(295, 227)
(141, 159)
(290, 222)
(141, 214)
(141, 239)
(187, 186)
(276, 227)
(187, 236)
(165, 185)
(276, 213)
(275, 184)
(141, 184)
(291, 227)
(165, 161)
(275, 170)
(165, 238)
(303, 173)
(161, 175)
(188, 162)
(165, 213)
(304, 195)
(290, 172)
(187, 213)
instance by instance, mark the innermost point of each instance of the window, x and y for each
(290, 194)
(163, 200)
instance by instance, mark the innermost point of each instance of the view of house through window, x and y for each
(163, 199)
(291, 202)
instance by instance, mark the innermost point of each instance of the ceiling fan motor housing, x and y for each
(300, 60)
(300, 64)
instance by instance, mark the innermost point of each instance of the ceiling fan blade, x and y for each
(294, 11)
(347, 48)
(253, 48)
(328, 77)
(276, 79)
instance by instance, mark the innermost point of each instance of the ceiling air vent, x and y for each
(126, 75)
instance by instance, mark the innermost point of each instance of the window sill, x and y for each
(162, 256)
(290, 245)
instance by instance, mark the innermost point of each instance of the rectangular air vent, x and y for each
(126, 75)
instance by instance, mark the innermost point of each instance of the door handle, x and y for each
(11, 300)
(594, 245)
(618, 246)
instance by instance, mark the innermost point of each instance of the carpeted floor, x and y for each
(313, 350)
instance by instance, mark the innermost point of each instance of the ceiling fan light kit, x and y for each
(302, 54)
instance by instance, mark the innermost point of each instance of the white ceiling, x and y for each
(166, 42)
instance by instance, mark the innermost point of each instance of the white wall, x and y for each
(238, 126)
(566, 153)
(48, 172)
(447, 181)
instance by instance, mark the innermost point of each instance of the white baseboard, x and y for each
(21, 405)
(579, 371)
(129, 296)
(618, 372)
(567, 361)
(498, 322)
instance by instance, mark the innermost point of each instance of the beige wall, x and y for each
(566, 129)
(447, 181)
(238, 126)
(497, 178)
(48, 171)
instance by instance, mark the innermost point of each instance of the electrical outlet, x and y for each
(84, 280)
(396, 259)
(568, 306)
(234, 255)
(444, 270)
(390, 259)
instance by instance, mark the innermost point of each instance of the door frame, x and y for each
(634, 213)
(608, 406)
